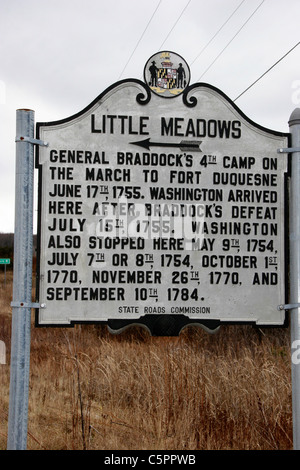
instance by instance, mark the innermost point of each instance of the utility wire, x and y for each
(203, 49)
(175, 24)
(140, 39)
(231, 40)
(267, 71)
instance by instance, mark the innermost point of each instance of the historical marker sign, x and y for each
(153, 207)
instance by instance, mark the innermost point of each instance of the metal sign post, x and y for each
(22, 283)
(294, 124)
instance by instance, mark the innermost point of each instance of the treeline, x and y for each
(7, 246)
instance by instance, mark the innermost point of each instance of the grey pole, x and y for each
(22, 283)
(294, 124)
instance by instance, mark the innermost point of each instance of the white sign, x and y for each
(161, 206)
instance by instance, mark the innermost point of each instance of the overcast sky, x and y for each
(58, 55)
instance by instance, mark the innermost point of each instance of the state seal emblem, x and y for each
(167, 74)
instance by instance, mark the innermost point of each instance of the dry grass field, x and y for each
(93, 390)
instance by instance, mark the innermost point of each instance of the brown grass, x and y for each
(92, 390)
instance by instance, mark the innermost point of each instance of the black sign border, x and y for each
(162, 325)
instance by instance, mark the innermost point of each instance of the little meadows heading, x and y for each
(173, 126)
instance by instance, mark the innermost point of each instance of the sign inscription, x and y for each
(151, 206)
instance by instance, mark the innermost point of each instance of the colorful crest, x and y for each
(167, 74)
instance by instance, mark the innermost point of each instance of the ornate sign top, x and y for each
(167, 74)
